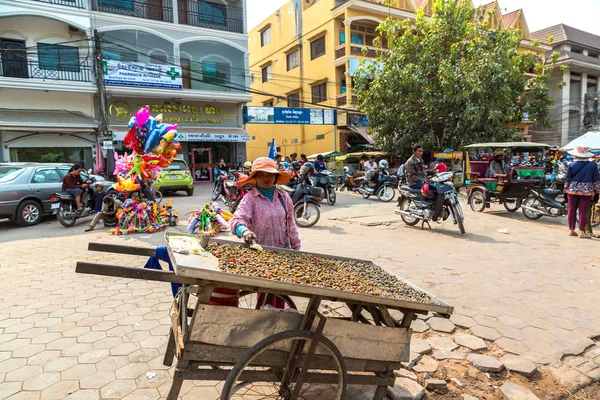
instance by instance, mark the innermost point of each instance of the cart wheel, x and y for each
(248, 299)
(512, 205)
(254, 375)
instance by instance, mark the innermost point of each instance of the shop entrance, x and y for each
(201, 165)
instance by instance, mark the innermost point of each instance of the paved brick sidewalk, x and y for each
(99, 337)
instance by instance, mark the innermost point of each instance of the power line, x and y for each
(241, 87)
(283, 77)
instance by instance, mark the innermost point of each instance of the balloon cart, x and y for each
(154, 145)
(291, 353)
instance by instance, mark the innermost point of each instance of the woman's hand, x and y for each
(249, 237)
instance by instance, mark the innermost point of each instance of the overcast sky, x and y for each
(581, 14)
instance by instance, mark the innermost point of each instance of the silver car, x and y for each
(25, 189)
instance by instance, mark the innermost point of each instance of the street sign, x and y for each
(289, 115)
(107, 145)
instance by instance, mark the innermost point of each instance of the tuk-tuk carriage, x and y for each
(507, 189)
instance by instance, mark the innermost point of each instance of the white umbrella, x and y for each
(591, 139)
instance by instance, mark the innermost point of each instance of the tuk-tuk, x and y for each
(507, 189)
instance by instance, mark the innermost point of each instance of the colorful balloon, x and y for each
(151, 141)
(142, 116)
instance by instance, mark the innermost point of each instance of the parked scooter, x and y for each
(220, 178)
(324, 180)
(350, 182)
(384, 186)
(538, 202)
(433, 202)
(306, 198)
(231, 193)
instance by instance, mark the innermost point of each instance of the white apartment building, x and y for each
(49, 100)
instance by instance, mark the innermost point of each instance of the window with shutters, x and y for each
(293, 100)
(319, 93)
(265, 37)
(292, 60)
(58, 58)
(317, 48)
(267, 73)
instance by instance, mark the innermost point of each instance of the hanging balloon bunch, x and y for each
(154, 145)
(141, 217)
(210, 219)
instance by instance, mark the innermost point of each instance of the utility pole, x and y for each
(99, 70)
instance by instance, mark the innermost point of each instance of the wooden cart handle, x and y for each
(120, 249)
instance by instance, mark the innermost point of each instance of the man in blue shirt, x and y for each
(319, 164)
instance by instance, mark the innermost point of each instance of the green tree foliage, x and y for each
(451, 80)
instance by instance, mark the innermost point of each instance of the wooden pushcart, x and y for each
(281, 355)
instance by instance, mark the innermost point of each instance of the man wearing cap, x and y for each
(497, 165)
(581, 184)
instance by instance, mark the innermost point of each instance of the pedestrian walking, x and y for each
(581, 184)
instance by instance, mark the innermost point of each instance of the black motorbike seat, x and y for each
(65, 196)
(552, 192)
(411, 190)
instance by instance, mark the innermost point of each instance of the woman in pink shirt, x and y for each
(266, 214)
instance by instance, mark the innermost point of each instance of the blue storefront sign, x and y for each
(289, 115)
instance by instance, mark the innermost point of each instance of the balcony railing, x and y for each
(68, 3)
(340, 51)
(157, 10)
(32, 70)
(209, 15)
(382, 2)
(371, 52)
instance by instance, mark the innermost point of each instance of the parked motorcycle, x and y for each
(538, 202)
(555, 180)
(383, 189)
(231, 193)
(324, 180)
(435, 201)
(306, 198)
(220, 179)
(349, 182)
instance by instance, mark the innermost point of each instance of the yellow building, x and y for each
(304, 54)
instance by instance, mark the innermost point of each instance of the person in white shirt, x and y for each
(370, 169)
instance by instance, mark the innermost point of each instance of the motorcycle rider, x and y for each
(319, 164)
(74, 185)
(370, 169)
(415, 168)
